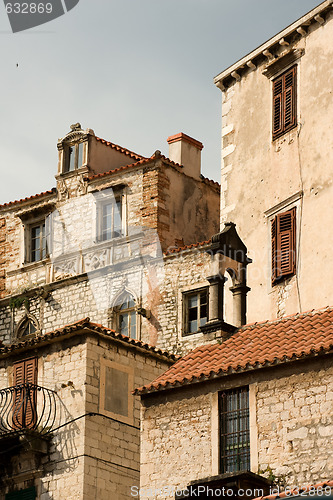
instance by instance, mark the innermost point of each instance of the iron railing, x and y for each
(27, 407)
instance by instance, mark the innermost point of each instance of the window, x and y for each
(110, 219)
(38, 243)
(127, 317)
(25, 398)
(27, 326)
(73, 157)
(234, 430)
(196, 310)
(117, 382)
(283, 231)
(284, 103)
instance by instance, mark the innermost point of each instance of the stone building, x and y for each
(69, 425)
(117, 242)
(257, 400)
(277, 143)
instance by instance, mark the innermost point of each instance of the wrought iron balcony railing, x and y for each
(27, 407)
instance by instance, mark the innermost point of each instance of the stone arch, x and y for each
(27, 327)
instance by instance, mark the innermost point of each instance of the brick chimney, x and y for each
(185, 150)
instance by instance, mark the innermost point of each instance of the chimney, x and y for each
(185, 150)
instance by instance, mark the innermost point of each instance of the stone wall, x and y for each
(290, 424)
(90, 456)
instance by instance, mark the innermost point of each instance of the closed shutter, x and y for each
(289, 100)
(284, 102)
(277, 106)
(25, 402)
(284, 245)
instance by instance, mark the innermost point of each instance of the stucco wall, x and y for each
(265, 173)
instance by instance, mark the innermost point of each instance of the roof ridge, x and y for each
(85, 323)
(120, 148)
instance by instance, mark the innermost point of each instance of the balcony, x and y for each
(27, 408)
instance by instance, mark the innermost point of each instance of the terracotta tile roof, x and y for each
(28, 198)
(144, 161)
(302, 490)
(82, 326)
(252, 347)
(187, 247)
(120, 149)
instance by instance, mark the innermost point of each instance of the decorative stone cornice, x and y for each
(271, 49)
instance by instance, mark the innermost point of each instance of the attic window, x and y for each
(73, 157)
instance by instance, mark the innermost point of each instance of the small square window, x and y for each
(195, 310)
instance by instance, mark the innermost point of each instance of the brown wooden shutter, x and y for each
(274, 263)
(25, 402)
(277, 106)
(284, 244)
(289, 99)
(284, 102)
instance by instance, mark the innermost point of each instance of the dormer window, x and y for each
(73, 157)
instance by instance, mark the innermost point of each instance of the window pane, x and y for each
(123, 323)
(117, 219)
(71, 158)
(107, 221)
(133, 325)
(234, 430)
(80, 155)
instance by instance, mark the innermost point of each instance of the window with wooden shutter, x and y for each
(284, 103)
(283, 236)
(25, 400)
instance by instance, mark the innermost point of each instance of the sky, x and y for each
(134, 71)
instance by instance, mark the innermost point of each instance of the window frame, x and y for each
(28, 247)
(129, 372)
(185, 300)
(223, 413)
(67, 162)
(280, 101)
(118, 198)
(283, 241)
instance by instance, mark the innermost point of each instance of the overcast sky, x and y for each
(135, 71)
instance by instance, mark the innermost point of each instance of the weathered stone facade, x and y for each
(290, 424)
(90, 455)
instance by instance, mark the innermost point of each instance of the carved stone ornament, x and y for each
(82, 187)
(63, 193)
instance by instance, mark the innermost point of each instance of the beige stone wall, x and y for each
(290, 428)
(61, 368)
(113, 446)
(295, 425)
(266, 173)
(92, 456)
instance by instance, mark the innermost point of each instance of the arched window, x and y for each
(27, 327)
(127, 316)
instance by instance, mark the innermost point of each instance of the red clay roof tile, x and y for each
(82, 325)
(252, 346)
(28, 198)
